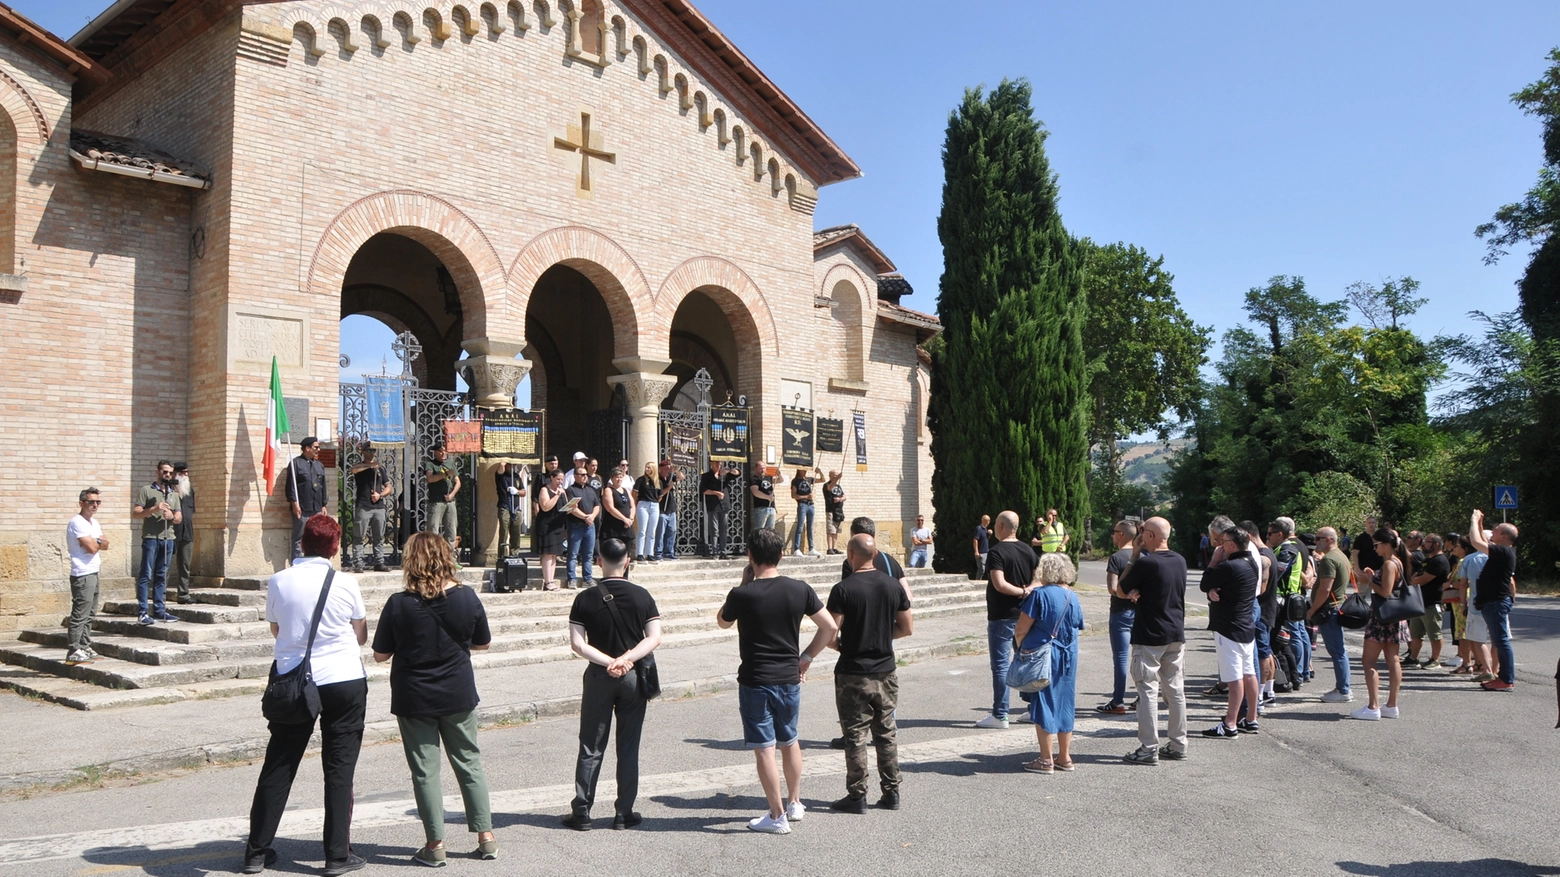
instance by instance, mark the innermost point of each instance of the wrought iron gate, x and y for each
(687, 499)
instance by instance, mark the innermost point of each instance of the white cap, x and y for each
(579, 455)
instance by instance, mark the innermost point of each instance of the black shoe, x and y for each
(626, 820)
(380, 567)
(576, 822)
(352, 862)
(848, 804)
(837, 743)
(255, 862)
(1247, 726)
(186, 601)
(1169, 754)
(889, 801)
(1221, 731)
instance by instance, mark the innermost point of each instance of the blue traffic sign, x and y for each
(1505, 497)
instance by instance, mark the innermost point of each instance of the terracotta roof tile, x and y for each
(125, 152)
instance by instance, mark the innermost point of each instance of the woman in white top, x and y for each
(336, 663)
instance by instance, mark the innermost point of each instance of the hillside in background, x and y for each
(1147, 463)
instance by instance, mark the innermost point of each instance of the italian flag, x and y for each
(275, 425)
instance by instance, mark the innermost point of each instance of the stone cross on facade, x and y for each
(588, 146)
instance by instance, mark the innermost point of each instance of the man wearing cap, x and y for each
(372, 491)
(184, 531)
(509, 482)
(305, 486)
(443, 485)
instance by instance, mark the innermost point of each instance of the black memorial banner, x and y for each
(682, 446)
(861, 440)
(729, 434)
(512, 436)
(831, 435)
(796, 437)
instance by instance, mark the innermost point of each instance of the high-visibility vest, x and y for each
(1051, 536)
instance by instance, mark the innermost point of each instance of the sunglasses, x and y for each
(93, 501)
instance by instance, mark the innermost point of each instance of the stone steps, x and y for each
(223, 646)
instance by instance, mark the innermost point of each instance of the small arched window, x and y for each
(592, 21)
(846, 311)
(8, 165)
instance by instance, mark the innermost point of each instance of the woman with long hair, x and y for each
(647, 513)
(1052, 613)
(1384, 638)
(430, 629)
(550, 525)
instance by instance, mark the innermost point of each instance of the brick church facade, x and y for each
(592, 193)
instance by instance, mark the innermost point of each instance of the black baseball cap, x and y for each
(181, 466)
(551, 458)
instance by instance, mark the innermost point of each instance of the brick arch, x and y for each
(739, 298)
(608, 266)
(26, 116)
(440, 226)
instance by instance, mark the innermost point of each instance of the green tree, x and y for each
(1008, 402)
(1334, 499)
(1145, 360)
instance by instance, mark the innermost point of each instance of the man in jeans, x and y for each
(920, 543)
(613, 627)
(761, 485)
(1121, 615)
(1495, 593)
(84, 539)
(1156, 585)
(666, 528)
(872, 611)
(1010, 571)
(768, 609)
(1332, 585)
(581, 526)
(157, 508)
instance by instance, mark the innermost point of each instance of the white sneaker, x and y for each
(991, 722)
(797, 553)
(1389, 712)
(770, 825)
(794, 811)
(814, 553)
(1336, 696)
(1366, 714)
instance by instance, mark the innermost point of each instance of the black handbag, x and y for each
(649, 676)
(1354, 611)
(1406, 602)
(292, 698)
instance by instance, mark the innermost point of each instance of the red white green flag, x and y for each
(275, 425)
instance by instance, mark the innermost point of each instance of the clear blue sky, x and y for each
(1337, 141)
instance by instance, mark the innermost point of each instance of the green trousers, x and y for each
(420, 737)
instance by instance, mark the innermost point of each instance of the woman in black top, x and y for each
(802, 492)
(430, 629)
(550, 526)
(618, 502)
(1382, 638)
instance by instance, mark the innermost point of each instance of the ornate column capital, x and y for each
(494, 379)
(644, 389)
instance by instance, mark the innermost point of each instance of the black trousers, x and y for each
(342, 708)
(602, 698)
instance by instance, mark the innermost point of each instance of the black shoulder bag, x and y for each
(444, 622)
(292, 698)
(649, 675)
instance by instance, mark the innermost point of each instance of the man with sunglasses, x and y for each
(85, 541)
(157, 508)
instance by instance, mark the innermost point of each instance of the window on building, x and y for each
(7, 194)
(591, 22)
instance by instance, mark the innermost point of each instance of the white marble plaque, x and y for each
(258, 337)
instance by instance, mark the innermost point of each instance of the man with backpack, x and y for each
(1291, 579)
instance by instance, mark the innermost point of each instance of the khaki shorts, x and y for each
(833, 528)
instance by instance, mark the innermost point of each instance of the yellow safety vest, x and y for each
(1051, 536)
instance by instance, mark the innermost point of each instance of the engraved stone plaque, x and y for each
(258, 337)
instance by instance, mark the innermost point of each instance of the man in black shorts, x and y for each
(872, 611)
(613, 626)
(768, 609)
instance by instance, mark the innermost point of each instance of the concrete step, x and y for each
(181, 632)
(140, 650)
(116, 673)
(194, 613)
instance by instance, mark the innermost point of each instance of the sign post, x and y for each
(1505, 499)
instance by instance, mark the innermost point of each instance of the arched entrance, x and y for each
(571, 342)
(401, 283)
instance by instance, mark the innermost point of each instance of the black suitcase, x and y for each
(513, 574)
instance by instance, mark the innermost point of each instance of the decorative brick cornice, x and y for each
(32, 107)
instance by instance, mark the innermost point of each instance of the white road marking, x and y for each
(310, 823)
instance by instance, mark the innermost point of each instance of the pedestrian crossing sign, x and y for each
(1505, 497)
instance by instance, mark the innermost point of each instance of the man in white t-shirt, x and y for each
(920, 543)
(84, 538)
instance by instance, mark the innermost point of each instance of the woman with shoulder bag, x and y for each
(318, 619)
(430, 629)
(1052, 614)
(1383, 638)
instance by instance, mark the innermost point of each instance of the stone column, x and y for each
(495, 373)
(644, 392)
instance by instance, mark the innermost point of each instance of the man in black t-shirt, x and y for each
(717, 508)
(1156, 585)
(768, 609)
(880, 560)
(581, 524)
(1430, 574)
(982, 545)
(666, 528)
(1121, 615)
(1366, 561)
(1010, 570)
(613, 627)
(371, 491)
(833, 511)
(872, 611)
(761, 485)
(1496, 590)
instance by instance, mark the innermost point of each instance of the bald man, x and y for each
(1155, 583)
(1010, 573)
(1495, 592)
(872, 611)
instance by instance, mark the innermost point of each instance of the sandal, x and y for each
(1040, 765)
(1463, 670)
(1064, 765)
(550, 586)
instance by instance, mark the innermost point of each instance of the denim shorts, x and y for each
(769, 714)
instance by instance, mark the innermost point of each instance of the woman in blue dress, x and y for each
(1052, 612)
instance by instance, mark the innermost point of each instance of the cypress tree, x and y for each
(1009, 389)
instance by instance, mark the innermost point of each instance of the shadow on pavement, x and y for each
(227, 856)
(1473, 868)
